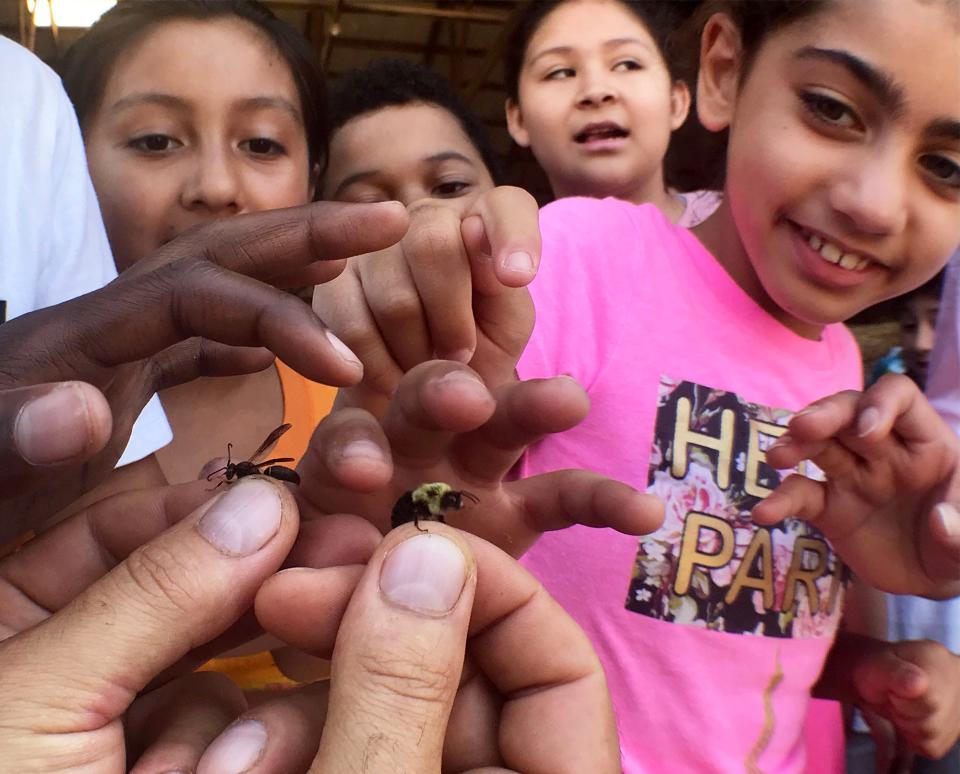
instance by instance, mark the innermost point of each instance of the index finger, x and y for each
(273, 244)
(440, 269)
(501, 231)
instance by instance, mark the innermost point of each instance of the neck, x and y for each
(720, 236)
(651, 190)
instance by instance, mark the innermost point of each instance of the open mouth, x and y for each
(606, 130)
(835, 254)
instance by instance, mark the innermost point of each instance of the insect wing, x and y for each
(269, 441)
(274, 461)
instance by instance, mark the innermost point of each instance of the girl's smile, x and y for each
(843, 168)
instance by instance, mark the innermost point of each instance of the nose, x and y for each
(595, 89)
(214, 184)
(872, 194)
(925, 333)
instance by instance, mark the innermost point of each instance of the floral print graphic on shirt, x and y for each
(709, 565)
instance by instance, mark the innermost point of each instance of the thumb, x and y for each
(47, 425)
(80, 669)
(399, 655)
(882, 673)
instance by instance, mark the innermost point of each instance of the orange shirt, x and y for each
(305, 403)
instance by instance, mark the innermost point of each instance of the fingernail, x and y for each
(464, 379)
(424, 573)
(519, 261)
(868, 421)
(362, 448)
(343, 350)
(243, 520)
(807, 410)
(949, 519)
(236, 750)
(462, 356)
(54, 427)
(783, 440)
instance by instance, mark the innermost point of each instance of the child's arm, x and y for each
(889, 502)
(915, 685)
(453, 288)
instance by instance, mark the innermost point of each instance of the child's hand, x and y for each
(916, 686)
(888, 504)
(444, 425)
(452, 288)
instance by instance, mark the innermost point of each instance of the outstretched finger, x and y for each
(797, 496)
(525, 412)
(343, 308)
(271, 245)
(557, 500)
(440, 269)
(435, 401)
(501, 232)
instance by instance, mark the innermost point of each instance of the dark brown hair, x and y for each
(86, 66)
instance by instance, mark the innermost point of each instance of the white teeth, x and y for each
(831, 252)
(848, 261)
(835, 255)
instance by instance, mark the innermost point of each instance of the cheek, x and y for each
(135, 209)
(278, 187)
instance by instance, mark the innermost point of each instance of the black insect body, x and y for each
(237, 470)
(428, 502)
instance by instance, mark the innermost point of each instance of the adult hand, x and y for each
(201, 305)
(69, 676)
(452, 288)
(530, 695)
(443, 424)
(890, 501)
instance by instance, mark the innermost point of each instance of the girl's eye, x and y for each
(941, 169)
(450, 190)
(560, 73)
(261, 146)
(628, 64)
(830, 111)
(153, 143)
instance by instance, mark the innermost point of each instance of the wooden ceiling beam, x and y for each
(400, 8)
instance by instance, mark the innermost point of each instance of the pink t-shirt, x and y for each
(637, 310)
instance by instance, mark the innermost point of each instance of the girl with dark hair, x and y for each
(596, 94)
(695, 347)
(191, 111)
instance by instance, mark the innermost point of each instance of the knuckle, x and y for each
(161, 578)
(408, 679)
(399, 306)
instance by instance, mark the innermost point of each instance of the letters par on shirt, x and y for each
(709, 564)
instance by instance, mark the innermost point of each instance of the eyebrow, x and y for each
(606, 44)
(178, 103)
(436, 158)
(945, 129)
(879, 83)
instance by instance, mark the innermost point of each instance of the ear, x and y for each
(721, 53)
(679, 104)
(515, 123)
